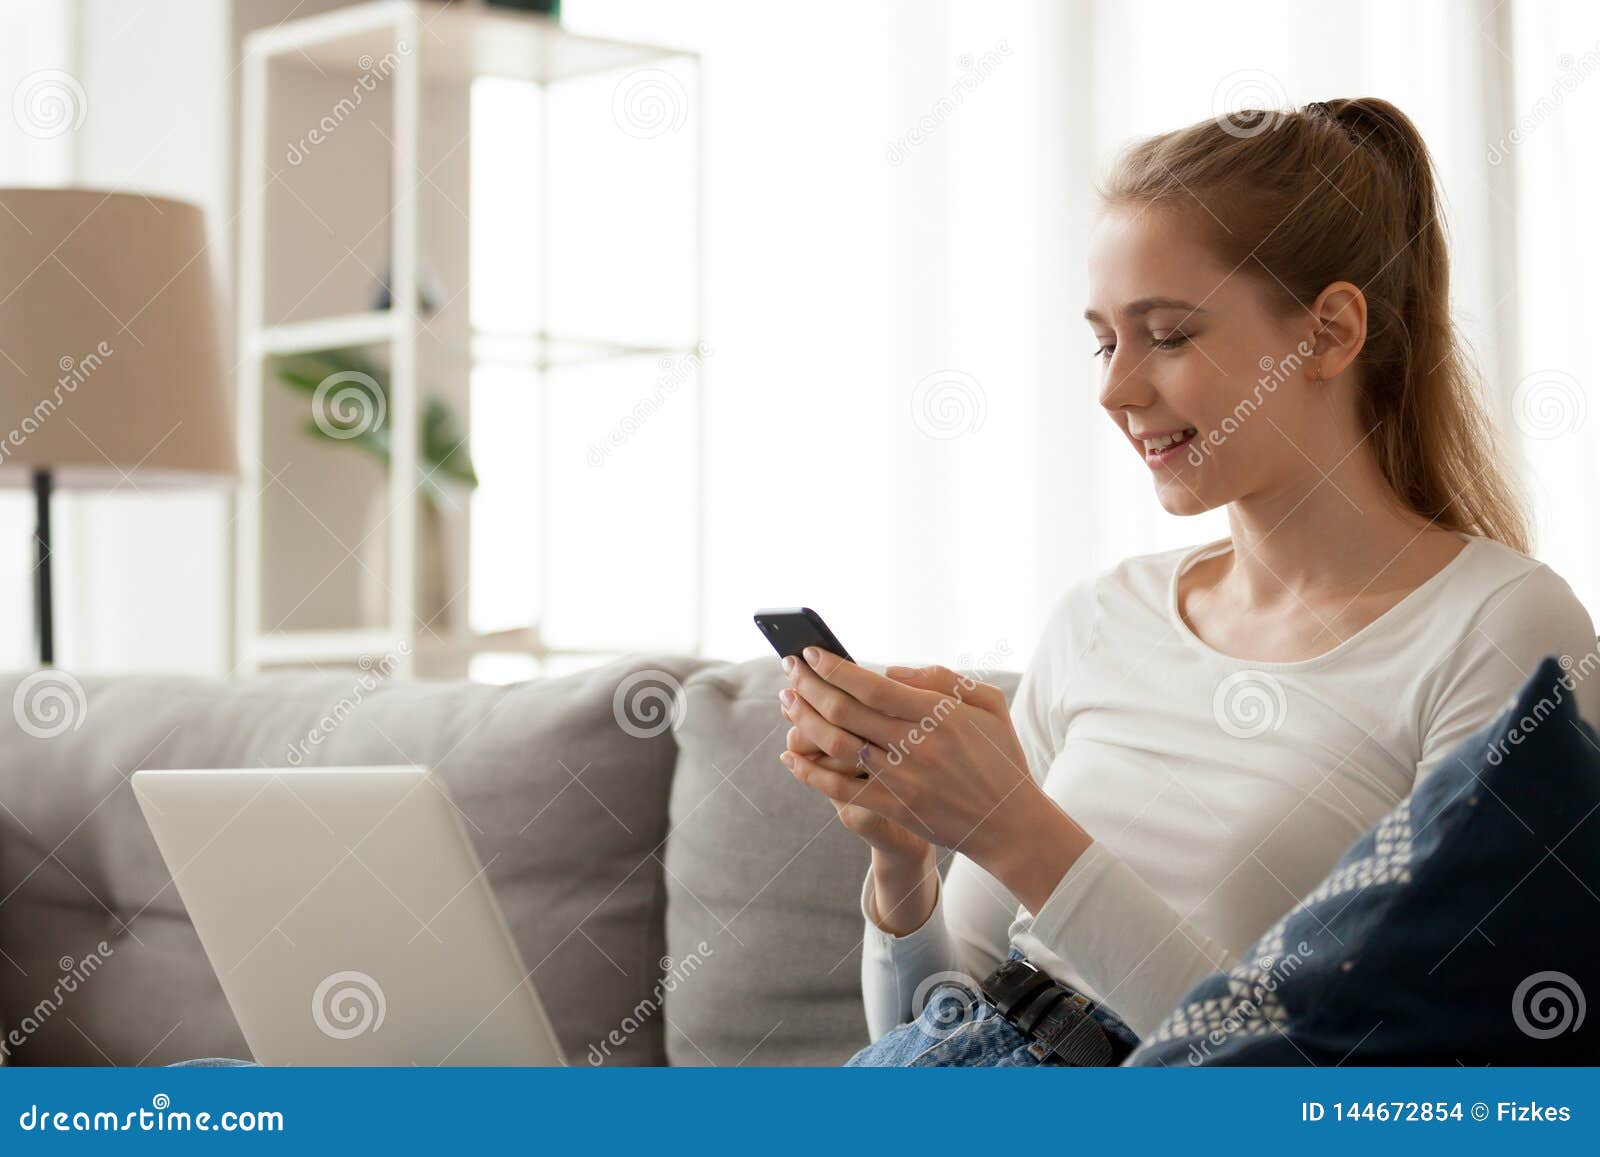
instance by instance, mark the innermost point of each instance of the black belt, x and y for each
(1052, 1014)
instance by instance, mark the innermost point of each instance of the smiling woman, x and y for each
(1203, 732)
(1314, 239)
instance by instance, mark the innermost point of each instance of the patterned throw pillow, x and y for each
(1464, 927)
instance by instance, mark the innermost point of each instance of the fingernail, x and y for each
(812, 655)
(786, 697)
(786, 759)
(788, 664)
(902, 672)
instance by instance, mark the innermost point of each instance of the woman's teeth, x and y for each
(1156, 445)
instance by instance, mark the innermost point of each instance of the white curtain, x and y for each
(1552, 149)
(891, 231)
(902, 427)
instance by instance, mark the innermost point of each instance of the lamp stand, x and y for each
(43, 624)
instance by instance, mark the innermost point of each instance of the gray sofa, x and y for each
(680, 899)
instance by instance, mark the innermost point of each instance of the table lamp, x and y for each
(111, 372)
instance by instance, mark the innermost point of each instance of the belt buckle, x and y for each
(1003, 987)
(1069, 1030)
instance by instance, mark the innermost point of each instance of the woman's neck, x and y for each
(1343, 533)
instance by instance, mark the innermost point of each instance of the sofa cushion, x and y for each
(563, 784)
(763, 883)
(1463, 928)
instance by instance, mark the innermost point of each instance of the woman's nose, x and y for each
(1123, 385)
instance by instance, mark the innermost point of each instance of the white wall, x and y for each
(34, 35)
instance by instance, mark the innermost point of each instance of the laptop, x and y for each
(347, 917)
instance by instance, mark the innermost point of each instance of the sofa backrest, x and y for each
(563, 784)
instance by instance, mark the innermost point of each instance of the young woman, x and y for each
(1202, 733)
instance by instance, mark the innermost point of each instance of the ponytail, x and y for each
(1265, 174)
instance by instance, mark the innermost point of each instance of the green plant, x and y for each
(350, 402)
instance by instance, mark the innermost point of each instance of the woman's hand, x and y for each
(905, 877)
(880, 833)
(945, 764)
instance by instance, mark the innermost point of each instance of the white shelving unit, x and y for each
(429, 55)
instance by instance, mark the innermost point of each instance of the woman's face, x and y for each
(1206, 380)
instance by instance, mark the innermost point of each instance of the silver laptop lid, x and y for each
(347, 917)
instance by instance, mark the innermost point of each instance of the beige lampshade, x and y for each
(109, 354)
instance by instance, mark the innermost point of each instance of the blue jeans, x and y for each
(957, 1029)
(213, 1063)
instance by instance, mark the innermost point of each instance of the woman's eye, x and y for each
(1105, 351)
(1171, 342)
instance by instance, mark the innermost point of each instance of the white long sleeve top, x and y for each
(1218, 791)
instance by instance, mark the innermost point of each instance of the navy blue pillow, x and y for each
(1464, 927)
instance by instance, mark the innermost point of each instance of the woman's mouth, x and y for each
(1162, 448)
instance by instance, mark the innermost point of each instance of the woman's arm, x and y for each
(966, 933)
(894, 966)
(901, 893)
(950, 767)
(904, 939)
(907, 937)
(1533, 616)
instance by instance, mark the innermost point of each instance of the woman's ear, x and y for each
(1340, 317)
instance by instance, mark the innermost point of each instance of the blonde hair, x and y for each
(1345, 191)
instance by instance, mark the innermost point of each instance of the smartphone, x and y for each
(791, 630)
